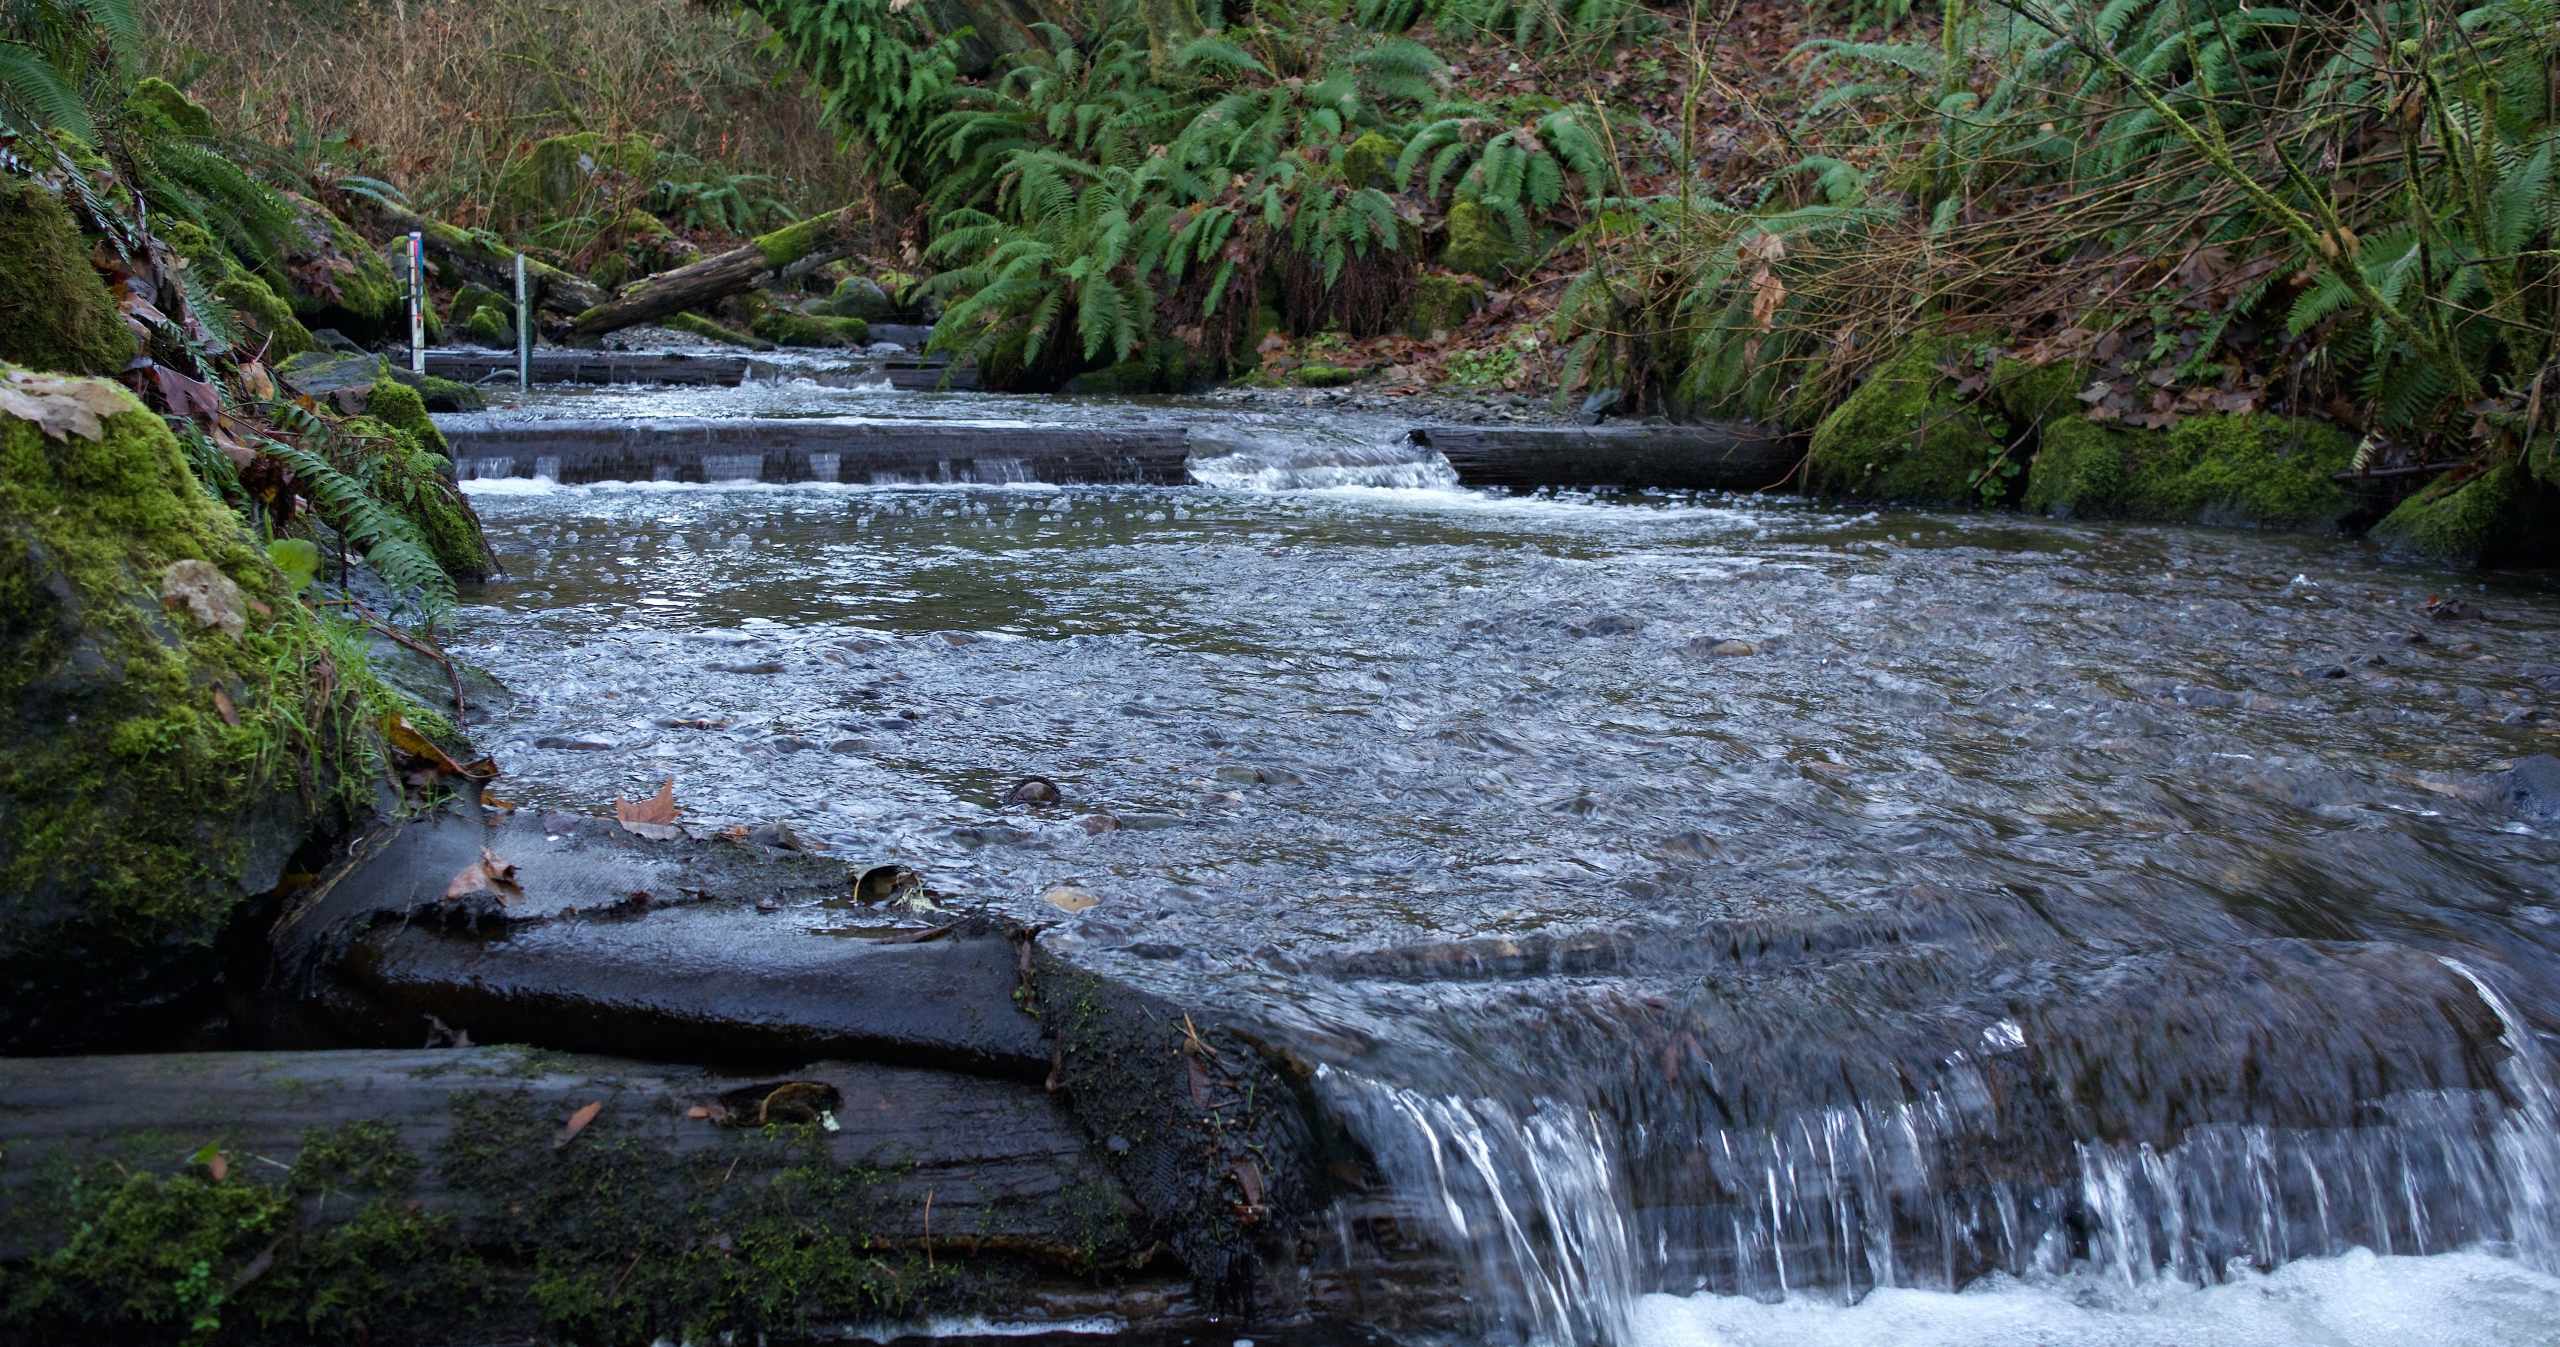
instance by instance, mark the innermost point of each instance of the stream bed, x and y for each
(1722, 921)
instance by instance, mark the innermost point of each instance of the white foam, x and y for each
(2357, 1299)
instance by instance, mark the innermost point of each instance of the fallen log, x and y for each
(487, 1194)
(484, 260)
(1712, 457)
(714, 278)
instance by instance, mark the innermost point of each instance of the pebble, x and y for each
(1098, 824)
(1032, 790)
(1070, 898)
(1732, 649)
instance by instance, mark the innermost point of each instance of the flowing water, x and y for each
(2043, 934)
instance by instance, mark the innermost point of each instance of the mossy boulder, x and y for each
(449, 395)
(2487, 517)
(1441, 303)
(695, 325)
(788, 327)
(1906, 434)
(2038, 394)
(1476, 243)
(159, 104)
(2249, 468)
(486, 327)
(859, 297)
(333, 278)
(1326, 376)
(266, 318)
(179, 725)
(56, 313)
(558, 177)
(1370, 161)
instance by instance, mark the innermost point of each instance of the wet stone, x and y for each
(572, 744)
(2531, 789)
(770, 666)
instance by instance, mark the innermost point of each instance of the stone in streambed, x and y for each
(2531, 789)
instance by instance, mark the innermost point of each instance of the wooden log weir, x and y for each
(1715, 456)
(906, 373)
(878, 452)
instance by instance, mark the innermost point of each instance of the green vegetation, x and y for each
(55, 313)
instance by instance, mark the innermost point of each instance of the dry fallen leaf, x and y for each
(487, 875)
(406, 739)
(1069, 898)
(578, 1123)
(61, 406)
(222, 707)
(653, 818)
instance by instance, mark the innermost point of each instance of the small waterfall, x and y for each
(1251, 457)
(1562, 1214)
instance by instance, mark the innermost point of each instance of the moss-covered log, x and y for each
(714, 278)
(454, 1196)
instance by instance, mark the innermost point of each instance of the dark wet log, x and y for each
(464, 255)
(706, 951)
(999, 1158)
(1727, 457)
(555, 366)
(714, 278)
(817, 451)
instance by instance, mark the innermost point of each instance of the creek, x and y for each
(1718, 920)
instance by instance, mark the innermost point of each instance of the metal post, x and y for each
(524, 331)
(417, 303)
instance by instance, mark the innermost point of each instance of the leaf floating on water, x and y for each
(1069, 898)
(61, 406)
(653, 818)
(578, 1123)
(488, 876)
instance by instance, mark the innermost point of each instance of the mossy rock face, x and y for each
(267, 317)
(486, 327)
(449, 395)
(2489, 517)
(2249, 468)
(1442, 303)
(1906, 435)
(179, 725)
(2243, 468)
(785, 327)
(1371, 162)
(159, 103)
(859, 297)
(333, 278)
(1326, 376)
(554, 179)
(2038, 394)
(1477, 243)
(55, 311)
(2081, 470)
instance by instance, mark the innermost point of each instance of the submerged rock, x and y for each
(2531, 789)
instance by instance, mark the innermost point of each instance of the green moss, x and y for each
(792, 242)
(2081, 470)
(448, 395)
(157, 102)
(2542, 460)
(696, 325)
(487, 327)
(338, 280)
(1370, 161)
(154, 1251)
(557, 176)
(2243, 468)
(55, 311)
(786, 327)
(2038, 394)
(859, 297)
(201, 759)
(268, 319)
(414, 475)
(1325, 376)
(402, 408)
(1477, 243)
(1906, 435)
(1441, 303)
(2486, 517)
